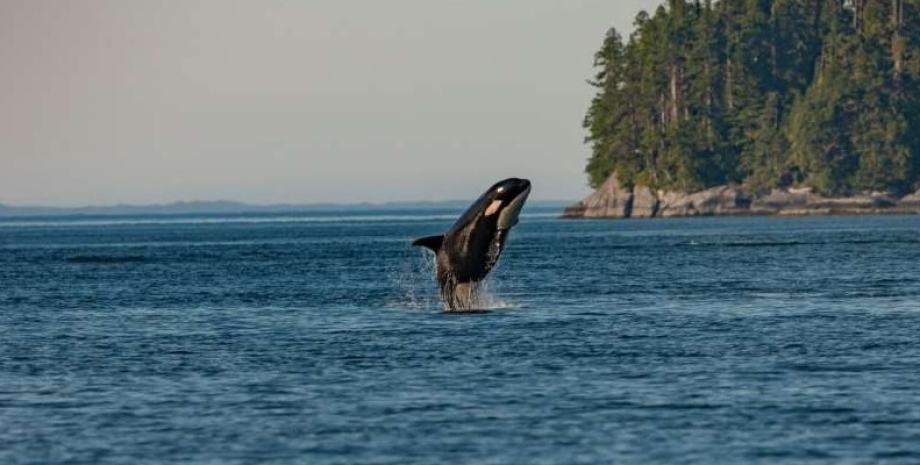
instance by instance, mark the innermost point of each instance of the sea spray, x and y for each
(414, 288)
(412, 282)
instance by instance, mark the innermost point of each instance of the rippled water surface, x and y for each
(318, 339)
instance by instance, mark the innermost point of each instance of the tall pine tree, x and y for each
(823, 93)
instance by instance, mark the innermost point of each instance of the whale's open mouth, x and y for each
(509, 215)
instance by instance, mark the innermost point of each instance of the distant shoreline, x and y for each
(612, 200)
(239, 208)
(567, 215)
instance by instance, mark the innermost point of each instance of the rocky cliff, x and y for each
(612, 200)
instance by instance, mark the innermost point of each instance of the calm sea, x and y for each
(318, 339)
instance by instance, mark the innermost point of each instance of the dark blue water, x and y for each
(318, 340)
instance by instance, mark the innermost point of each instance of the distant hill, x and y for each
(224, 207)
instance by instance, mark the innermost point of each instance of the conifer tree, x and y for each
(822, 93)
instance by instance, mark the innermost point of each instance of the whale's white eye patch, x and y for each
(493, 207)
(500, 189)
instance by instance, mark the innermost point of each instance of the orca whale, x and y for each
(471, 247)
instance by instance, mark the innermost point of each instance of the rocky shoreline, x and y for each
(613, 201)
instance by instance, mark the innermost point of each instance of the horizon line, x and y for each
(225, 203)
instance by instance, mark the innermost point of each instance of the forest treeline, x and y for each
(766, 93)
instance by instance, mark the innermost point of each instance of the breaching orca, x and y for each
(470, 249)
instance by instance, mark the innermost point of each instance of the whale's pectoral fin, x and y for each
(431, 242)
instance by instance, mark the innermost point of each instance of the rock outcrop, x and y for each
(645, 203)
(804, 201)
(608, 201)
(719, 200)
(911, 201)
(612, 200)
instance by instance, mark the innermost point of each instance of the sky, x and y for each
(280, 101)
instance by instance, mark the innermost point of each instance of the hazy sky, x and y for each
(122, 101)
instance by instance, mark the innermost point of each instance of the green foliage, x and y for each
(767, 93)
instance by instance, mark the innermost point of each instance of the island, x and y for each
(736, 107)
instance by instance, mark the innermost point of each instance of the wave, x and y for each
(756, 244)
(107, 259)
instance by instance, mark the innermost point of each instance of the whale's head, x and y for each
(504, 200)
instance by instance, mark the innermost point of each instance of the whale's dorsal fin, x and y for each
(431, 242)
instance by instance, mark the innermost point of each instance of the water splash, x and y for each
(416, 288)
(414, 282)
(489, 298)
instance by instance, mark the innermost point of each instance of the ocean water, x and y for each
(318, 339)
